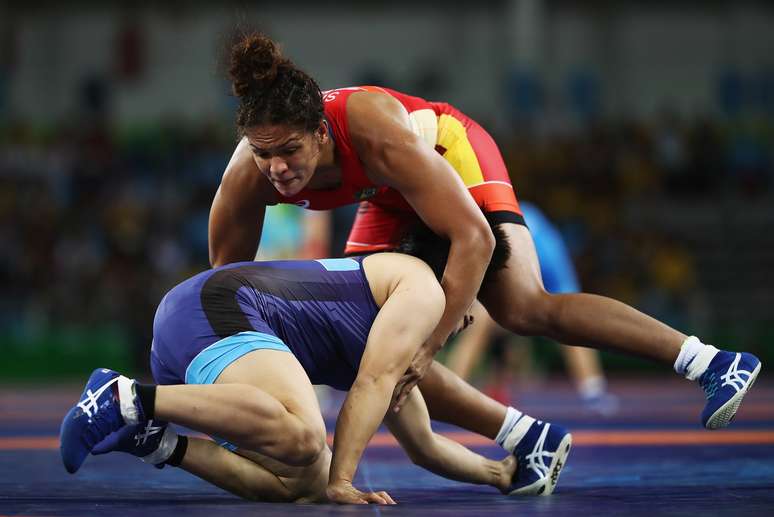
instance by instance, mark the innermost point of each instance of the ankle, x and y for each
(146, 398)
(504, 472)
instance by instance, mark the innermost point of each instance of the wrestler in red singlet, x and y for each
(383, 213)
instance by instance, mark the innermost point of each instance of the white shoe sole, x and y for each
(547, 485)
(725, 413)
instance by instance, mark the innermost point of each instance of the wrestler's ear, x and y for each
(322, 132)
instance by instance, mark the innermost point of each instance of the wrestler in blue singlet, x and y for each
(319, 310)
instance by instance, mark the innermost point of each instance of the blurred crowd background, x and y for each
(645, 130)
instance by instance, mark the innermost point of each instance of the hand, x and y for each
(415, 373)
(342, 492)
(467, 321)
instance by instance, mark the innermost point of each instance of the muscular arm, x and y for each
(396, 157)
(236, 215)
(394, 338)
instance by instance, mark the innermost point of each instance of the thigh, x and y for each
(519, 283)
(279, 374)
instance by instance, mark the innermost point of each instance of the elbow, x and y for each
(482, 241)
(215, 250)
(216, 260)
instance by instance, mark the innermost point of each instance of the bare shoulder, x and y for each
(373, 103)
(398, 262)
(370, 114)
(387, 271)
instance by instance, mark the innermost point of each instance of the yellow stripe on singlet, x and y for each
(459, 153)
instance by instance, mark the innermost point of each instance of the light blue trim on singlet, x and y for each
(340, 264)
(210, 362)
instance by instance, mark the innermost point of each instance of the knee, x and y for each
(305, 446)
(284, 436)
(526, 314)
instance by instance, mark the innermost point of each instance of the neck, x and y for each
(327, 174)
(327, 154)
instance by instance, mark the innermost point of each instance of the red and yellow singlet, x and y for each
(384, 213)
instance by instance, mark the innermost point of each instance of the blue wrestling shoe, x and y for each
(93, 418)
(725, 382)
(541, 454)
(153, 442)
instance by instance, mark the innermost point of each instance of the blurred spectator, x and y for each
(97, 221)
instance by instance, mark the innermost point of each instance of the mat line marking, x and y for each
(580, 438)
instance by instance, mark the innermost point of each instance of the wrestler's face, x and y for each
(287, 156)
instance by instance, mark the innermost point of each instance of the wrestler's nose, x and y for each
(277, 165)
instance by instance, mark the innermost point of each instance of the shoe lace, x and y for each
(102, 424)
(534, 460)
(709, 384)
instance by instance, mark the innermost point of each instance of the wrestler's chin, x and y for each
(289, 187)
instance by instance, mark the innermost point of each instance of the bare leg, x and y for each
(582, 363)
(263, 401)
(517, 301)
(472, 343)
(438, 454)
(452, 400)
(249, 478)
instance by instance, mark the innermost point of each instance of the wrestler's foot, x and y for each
(106, 404)
(726, 381)
(153, 442)
(541, 455)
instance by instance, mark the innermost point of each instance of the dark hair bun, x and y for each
(256, 61)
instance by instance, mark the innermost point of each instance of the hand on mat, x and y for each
(342, 492)
(415, 373)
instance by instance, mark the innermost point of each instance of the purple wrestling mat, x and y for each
(650, 458)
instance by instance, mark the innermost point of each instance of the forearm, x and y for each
(461, 282)
(362, 412)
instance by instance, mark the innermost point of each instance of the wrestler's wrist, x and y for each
(431, 347)
(339, 481)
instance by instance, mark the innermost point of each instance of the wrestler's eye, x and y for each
(290, 151)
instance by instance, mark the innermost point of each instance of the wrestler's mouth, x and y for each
(284, 182)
